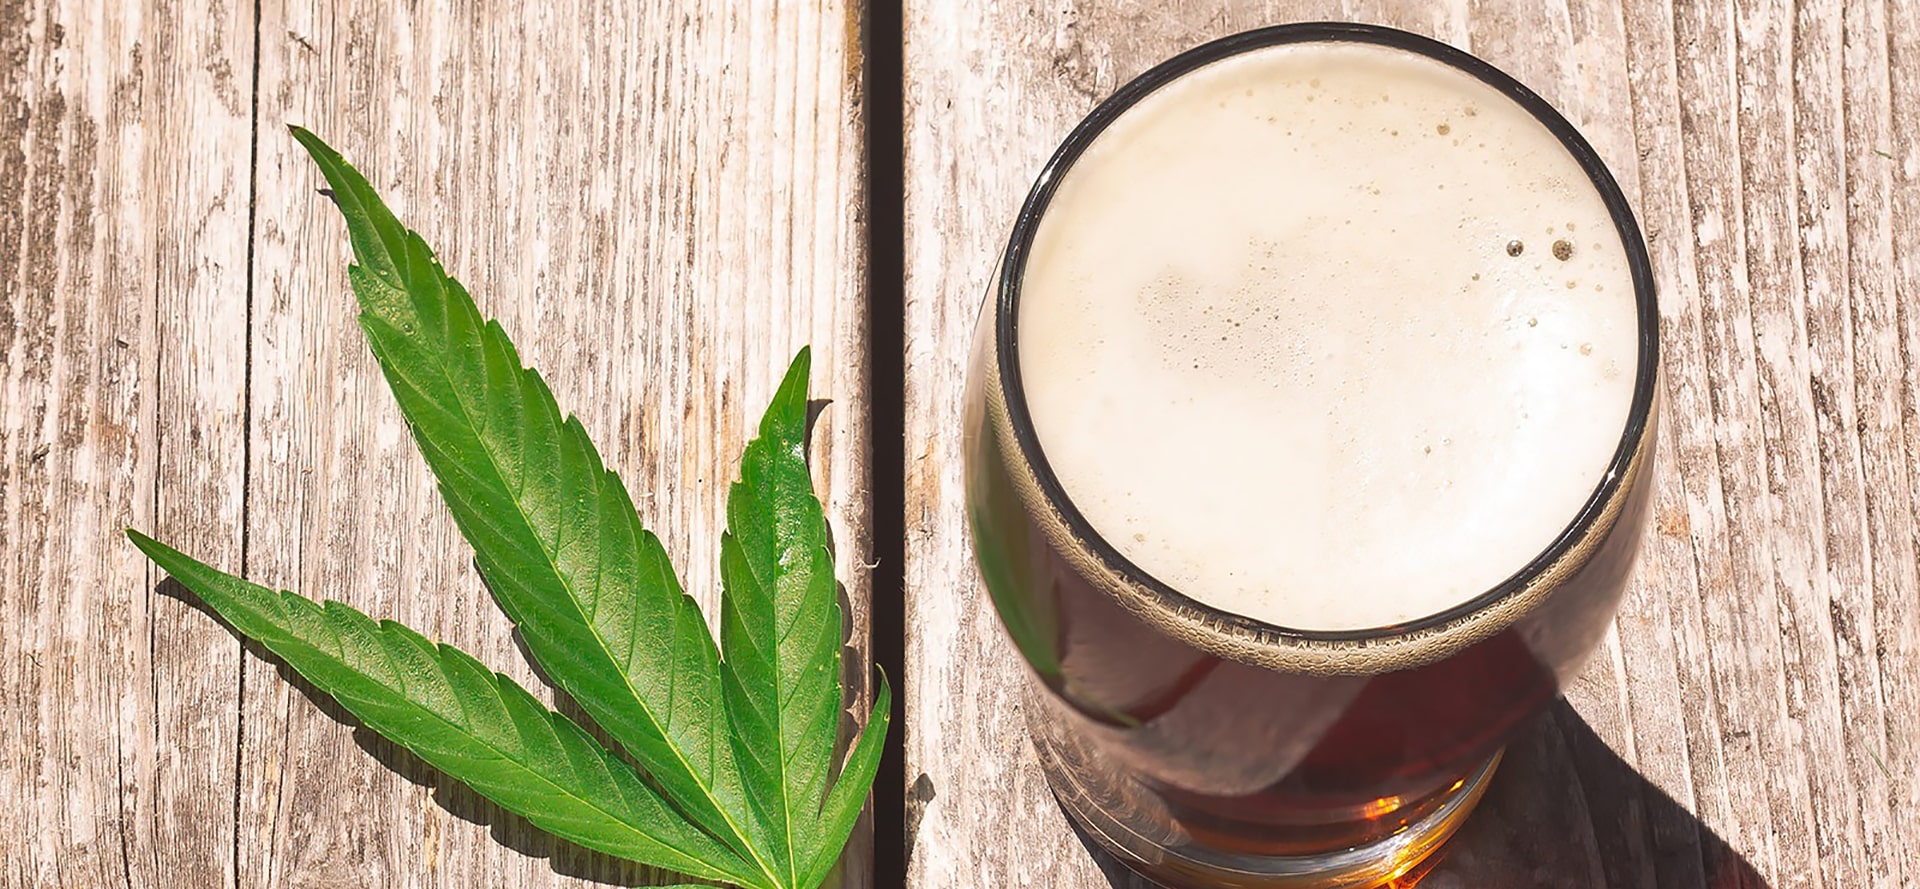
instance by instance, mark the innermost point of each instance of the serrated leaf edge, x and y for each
(198, 576)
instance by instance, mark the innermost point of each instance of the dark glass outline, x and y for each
(1006, 341)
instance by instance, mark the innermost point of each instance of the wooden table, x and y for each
(659, 201)
(663, 199)
(1755, 718)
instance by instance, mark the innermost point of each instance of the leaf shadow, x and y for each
(857, 676)
(854, 688)
(914, 809)
(1563, 812)
(565, 858)
(856, 668)
(815, 407)
(565, 705)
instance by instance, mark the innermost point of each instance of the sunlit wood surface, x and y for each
(660, 202)
(1755, 718)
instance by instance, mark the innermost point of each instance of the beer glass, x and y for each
(1206, 747)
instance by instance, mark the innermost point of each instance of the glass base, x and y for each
(1129, 822)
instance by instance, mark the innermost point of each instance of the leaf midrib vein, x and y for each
(768, 592)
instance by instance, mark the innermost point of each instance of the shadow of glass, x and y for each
(506, 828)
(1563, 812)
(1566, 811)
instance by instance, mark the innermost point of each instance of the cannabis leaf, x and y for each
(463, 719)
(731, 759)
(780, 626)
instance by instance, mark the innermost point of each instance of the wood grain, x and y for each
(659, 202)
(1752, 718)
(124, 314)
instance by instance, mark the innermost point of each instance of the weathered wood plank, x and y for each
(125, 199)
(659, 202)
(1893, 416)
(1750, 720)
(200, 118)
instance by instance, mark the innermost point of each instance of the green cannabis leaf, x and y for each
(727, 773)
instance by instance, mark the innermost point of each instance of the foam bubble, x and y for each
(1251, 360)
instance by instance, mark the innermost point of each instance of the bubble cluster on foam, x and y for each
(1331, 336)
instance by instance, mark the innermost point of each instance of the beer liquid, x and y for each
(1329, 335)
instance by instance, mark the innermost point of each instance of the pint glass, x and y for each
(1285, 593)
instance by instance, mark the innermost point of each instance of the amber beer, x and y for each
(1310, 434)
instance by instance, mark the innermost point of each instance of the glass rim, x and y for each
(1013, 267)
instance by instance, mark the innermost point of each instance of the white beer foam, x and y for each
(1278, 350)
